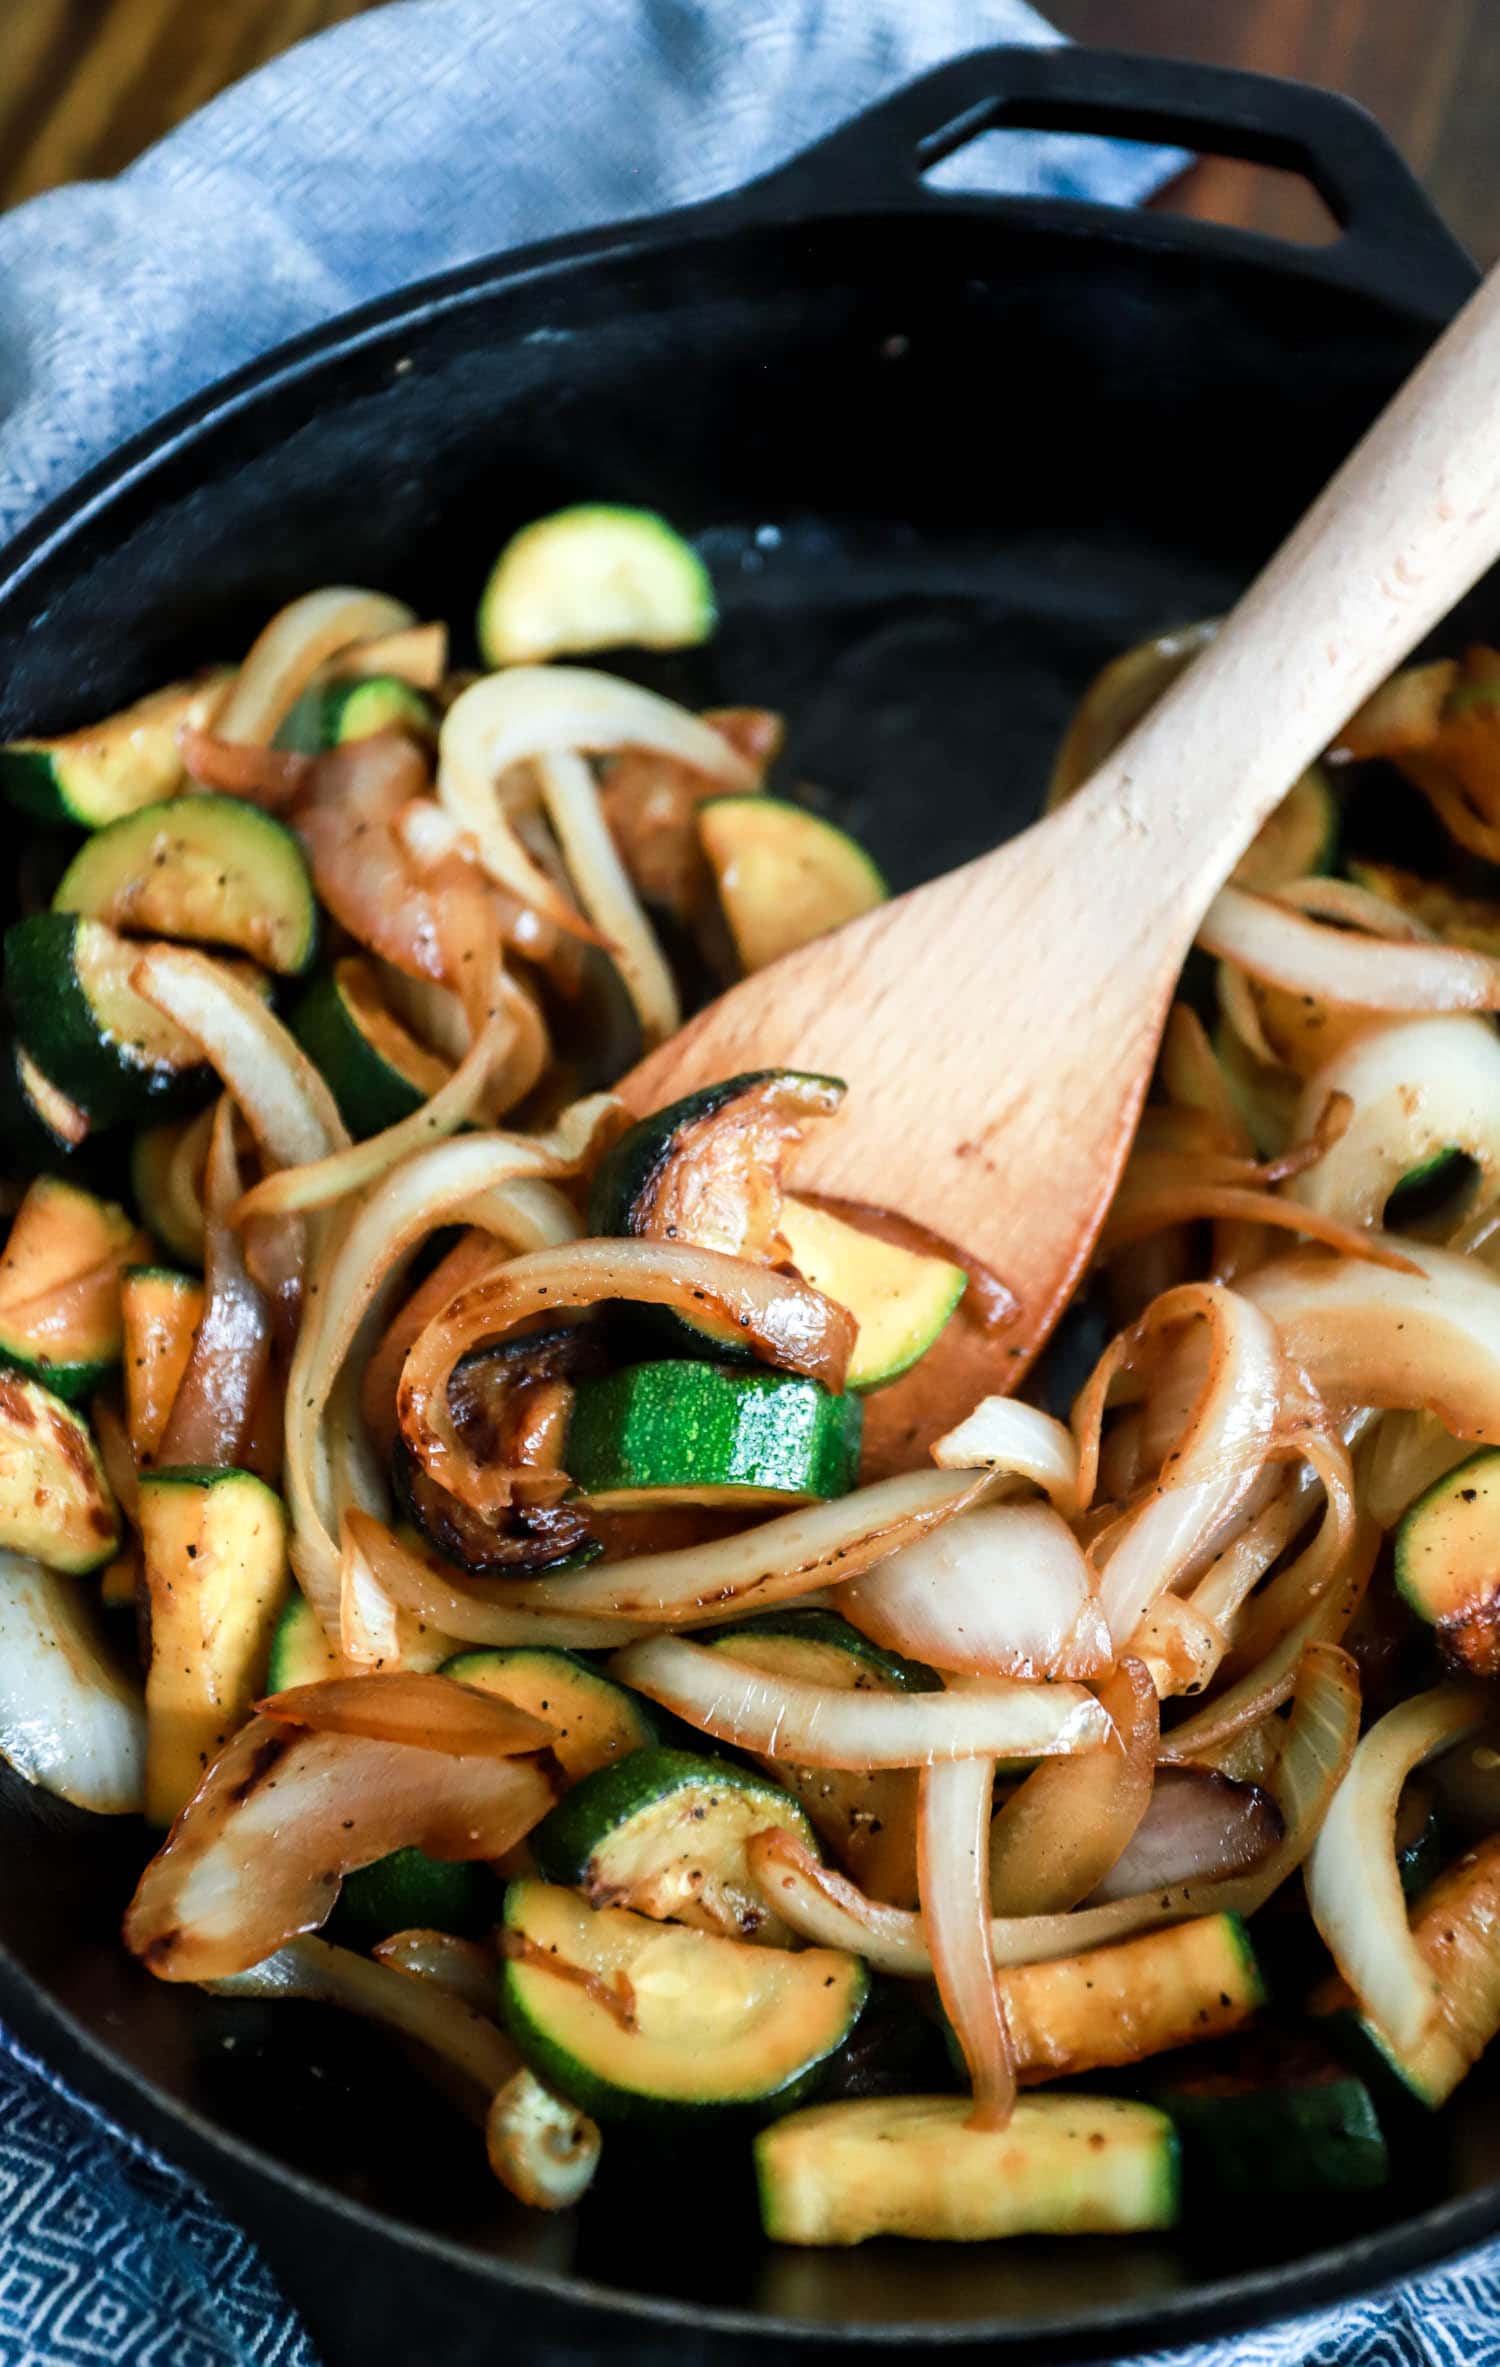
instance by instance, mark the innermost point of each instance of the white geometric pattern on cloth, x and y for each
(419, 138)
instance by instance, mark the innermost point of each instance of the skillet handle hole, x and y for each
(1228, 189)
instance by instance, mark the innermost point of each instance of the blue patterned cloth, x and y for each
(427, 135)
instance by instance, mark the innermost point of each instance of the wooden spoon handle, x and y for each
(1408, 525)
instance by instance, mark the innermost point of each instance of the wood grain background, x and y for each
(86, 84)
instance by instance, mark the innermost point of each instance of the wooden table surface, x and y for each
(86, 84)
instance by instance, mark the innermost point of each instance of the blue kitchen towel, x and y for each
(418, 138)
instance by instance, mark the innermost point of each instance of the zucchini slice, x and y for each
(596, 1722)
(410, 1891)
(640, 2020)
(300, 1652)
(60, 1319)
(1140, 1997)
(689, 1433)
(160, 1312)
(98, 1041)
(912, 2166)
(900, 1298)
(868, 1821)
(378, 1071)
(166, 1180)
(707, 1169)
(784, 876)
(1283, 2122)
(1454, 1926)
(597, 576)
(664, 1832)
(333, 712)
(55, 1502)
(213, 870)
(217, 1578)
(1448, 1561)
(112, 768)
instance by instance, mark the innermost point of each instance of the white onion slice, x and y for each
(466, 1968)
(953, 1814)
(416, 1589)
(508, 719)
(1308, 957)
(1418, 1087)
(604, 887)
(1219, 1453)
(289, 651)
(465, 1177)
(1003, 1591)
(417, 654)
(289, 1108)
(1407, 1452)
(1018, 1441)
(782, 1561)
(1370, 1335)
(1060, 1832)
(815, 1727)
(1353, 1881)
(71, 1721)
(259, 1852)
(829, 1912)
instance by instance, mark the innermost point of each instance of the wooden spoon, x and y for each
(997, 1028)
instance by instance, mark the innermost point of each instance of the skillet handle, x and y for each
(1394, 244)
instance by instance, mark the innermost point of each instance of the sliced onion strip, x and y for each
(604, 887)
(214, 1408)
(1353, 1881)
(1012, 1440)
(828, 1910)
(289, 1108)
(1002, 1591)
(435, 2014)
(1058, 1835)
(435, 1713)
(1265, 936)
(71, 1721)
(476, 1613)
(953, 1814)
(815, 1727)
(288, 652)
(258, 1854)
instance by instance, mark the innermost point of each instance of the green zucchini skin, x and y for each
(1291, 2133)
(77, 1047)
(204, 868)
(371, 1094)
(410, 1891)
(822, 1995)
(332, 713)
(631, 1176)
(689, 1430)
(300, 1652)
(1447, 1561)
(827, 1628)
(599, 1838)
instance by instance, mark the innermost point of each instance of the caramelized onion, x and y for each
(1369, 1336)
(474, 1613)
(1353, 1881)
(259, 1852)
(953, 1814)
(1265, 936)
(1016, 1441)
(782, 1561)
(830, 1912)
(1060, 1832)
(272, 777)
(815, 1727)
(465, 1968)
(300, 639)
(782, 1318)
(1002, 1591)
(571, 799)
(360, 869)
(1218, 1456)
(214, 1408)
(435, 1713)
(1198, 1825)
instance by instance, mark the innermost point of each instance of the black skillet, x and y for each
(946, 454)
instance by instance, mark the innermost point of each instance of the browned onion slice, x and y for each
(213, 1412)
(260, 1851)
(1062, 1830)
(953, 1814)
(1198, 1824)
(435, 1713)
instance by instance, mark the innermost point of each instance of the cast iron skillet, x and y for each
(946, 455)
